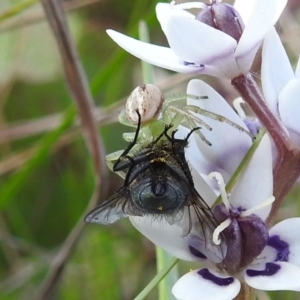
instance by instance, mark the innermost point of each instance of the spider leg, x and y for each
(131, 145)
(216, 117)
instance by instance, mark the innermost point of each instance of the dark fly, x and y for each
(158, 183)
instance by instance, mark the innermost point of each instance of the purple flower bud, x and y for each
(253, 125)
(224, 17)
(245, 238)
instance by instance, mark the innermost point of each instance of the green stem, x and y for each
(16, 9)
(157, 279)
(165, 287)
(147, 69)
(243, 165)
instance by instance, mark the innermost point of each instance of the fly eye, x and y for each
(159, 197)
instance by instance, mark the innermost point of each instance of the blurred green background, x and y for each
(44, 193)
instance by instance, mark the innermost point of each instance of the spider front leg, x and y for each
(131, 144)
(110, 161)
(214, 116)
(180, 115)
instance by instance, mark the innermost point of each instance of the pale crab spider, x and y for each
(156, 112)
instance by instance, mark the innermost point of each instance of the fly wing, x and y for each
(204, 225)
(198, 225)
(116, 207)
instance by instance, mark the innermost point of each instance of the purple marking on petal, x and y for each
(216, 280)
(280, 246)
(196, 252)
(271, 269)
(186, 63)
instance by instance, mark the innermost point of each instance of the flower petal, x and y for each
(289, 105)
(206, 284)
(244, 8)
(263, 16)
(274, 277)
(186, 237)
(297, 71)
(196, 42)
(198, 166)
(229, 145)
(159, 56)
(287, 232)
(165, 10)
(168, 237)
(255, 184)
(274, 58)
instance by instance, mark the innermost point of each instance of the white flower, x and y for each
(196, 47)
(281, 85)
(254, 187)
(276, 268)
(228, 149)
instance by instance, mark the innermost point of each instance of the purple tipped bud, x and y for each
(224, 17)
(245, 238)
(253, 125)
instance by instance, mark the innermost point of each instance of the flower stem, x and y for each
(287, 164)
(162, 261)
(147, 69)
(253, 96)
(16, 9)
(159, 276)
(246, 293)
(244, 163)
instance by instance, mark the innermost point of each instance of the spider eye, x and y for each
(158, 196)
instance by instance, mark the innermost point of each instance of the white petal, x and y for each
(289, 105)
(255, 185)
(159, 56)
(224, 68)
(244, 8)
(297, 71)
(192, 286)
(264, 15)
(168, 237)
(191, 5)
(274, 58)
(288, 232)
(196, 42)
(285, 277)
(245, 60)
(198, 166)
(229, 145)
(165, 10)
(269, 254)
